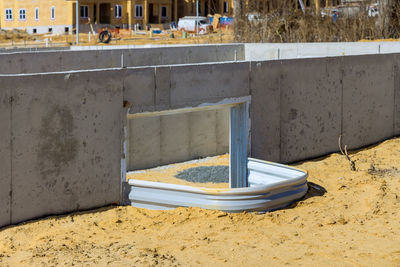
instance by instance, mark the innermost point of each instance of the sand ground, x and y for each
(166, 174)
(348, 218)
(221, 36)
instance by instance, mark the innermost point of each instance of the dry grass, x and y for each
(288, 24)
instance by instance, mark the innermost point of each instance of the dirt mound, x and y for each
(347, 218)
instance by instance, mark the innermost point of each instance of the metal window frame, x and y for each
(238, 134)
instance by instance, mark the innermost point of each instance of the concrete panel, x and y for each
(5, 155)
(265, 110)
(9, 63)
(203, 133)
(139, 89)
(101, 58)
(163, 88)
(144, 137)
(361, 48)
(193, 85)
(72, 60)
(222, 129)
(389, 47)
(175, 138)
(111, 59)
(67, 142)
(397, 95)
(310, 107)
(41, 62)
(230, 52)
(368, 105)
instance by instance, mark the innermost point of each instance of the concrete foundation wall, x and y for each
(57, 61)
(5, 156)
(165, 139)
(301, 107)
(272, 51)
(66, 144)
(64, 132)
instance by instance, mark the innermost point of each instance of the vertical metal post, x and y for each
(197, 16)
(238, 147)
(77, 21)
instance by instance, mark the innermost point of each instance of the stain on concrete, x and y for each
(57, 146)
(292, 114)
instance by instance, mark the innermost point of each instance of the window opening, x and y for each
(84, 12)
(164, 12)
(226, 7)
(138, 11)
(9, 14)
(22, 14)
(118, 11)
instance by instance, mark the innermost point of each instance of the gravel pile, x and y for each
(205, 174)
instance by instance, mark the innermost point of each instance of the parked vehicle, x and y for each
(188, 24)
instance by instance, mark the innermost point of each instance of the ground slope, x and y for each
(356, 222)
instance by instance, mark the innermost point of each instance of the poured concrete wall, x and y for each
(271, 51)
(56, 61)
(396, 69)
(5, 156)
(63, 132)
(301, 107)
(164, 139)
(66, 144)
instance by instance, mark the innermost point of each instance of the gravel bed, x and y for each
(205, 174)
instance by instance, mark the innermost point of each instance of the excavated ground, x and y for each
(348, 218)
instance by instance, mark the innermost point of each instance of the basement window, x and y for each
(180, 135)
(50, 30)
(66, 29)
(34, 31)
(9, 14)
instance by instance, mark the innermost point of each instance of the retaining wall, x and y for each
(77, 59)
(63, 132)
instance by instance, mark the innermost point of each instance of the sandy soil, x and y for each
(166, 174)
(356, 222)
(222, 36)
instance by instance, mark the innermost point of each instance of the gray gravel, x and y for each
(205, 174)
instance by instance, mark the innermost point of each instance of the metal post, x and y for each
(197, 16)
(77, 21)
(238, 147)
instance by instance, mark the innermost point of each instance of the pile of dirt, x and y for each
(347, 218)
